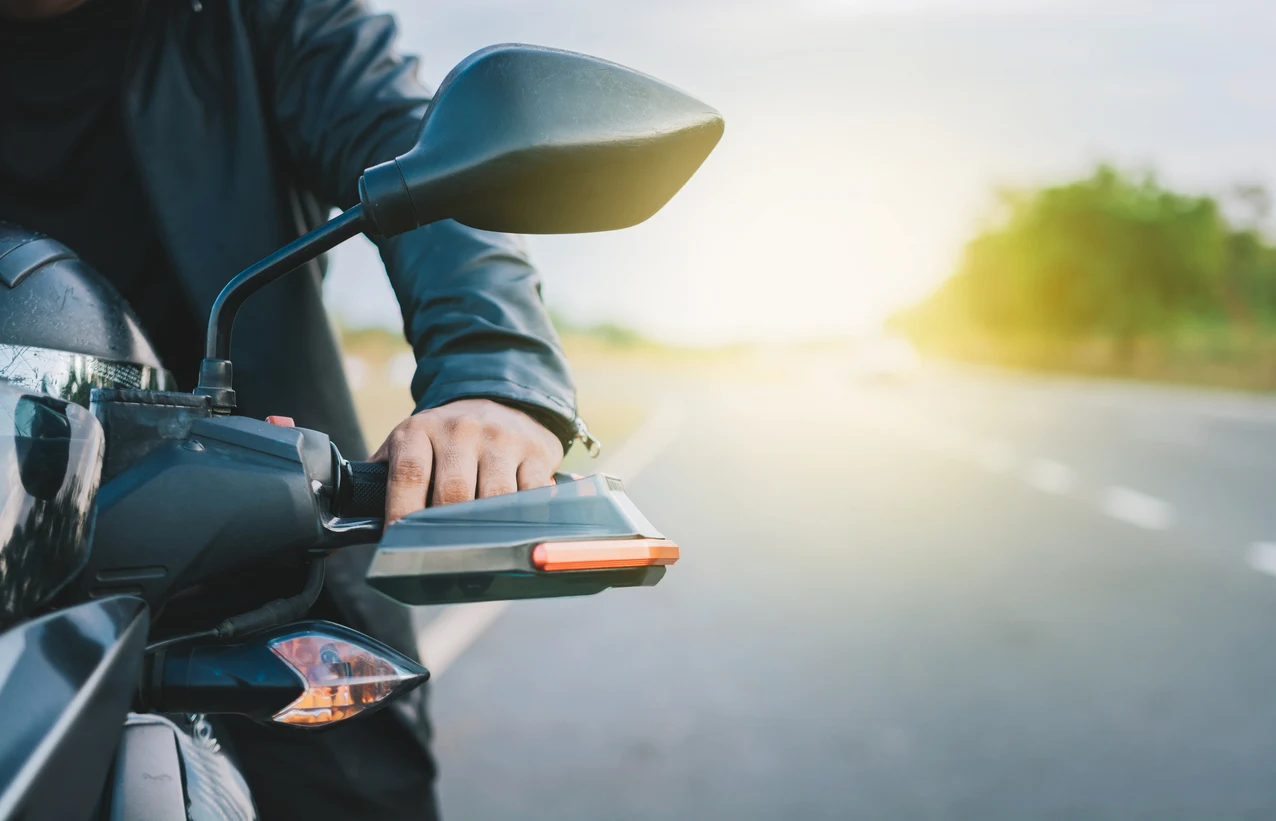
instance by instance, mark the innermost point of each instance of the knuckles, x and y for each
(471, 428)
(462, 426)
(407, 470)
(485, 427)
(454, 489)
(512, 450)
(498, 432)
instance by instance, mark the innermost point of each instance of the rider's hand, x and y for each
(468, 447)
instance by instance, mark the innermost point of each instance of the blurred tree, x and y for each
(1113, 256)
(1256, 201)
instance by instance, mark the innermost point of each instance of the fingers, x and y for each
(497, 469)
(532, 474)
(456, 459)
(466, 449)
(497, 476)
(410, 454)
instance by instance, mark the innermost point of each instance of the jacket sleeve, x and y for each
(343, 101)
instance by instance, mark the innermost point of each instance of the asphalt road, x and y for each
(968, 596)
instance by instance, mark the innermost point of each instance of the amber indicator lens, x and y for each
(603, 554)
(342, 679)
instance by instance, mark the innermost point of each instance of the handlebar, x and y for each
(361, 489)
(361, 493)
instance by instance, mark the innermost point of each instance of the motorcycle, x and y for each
(111, 512)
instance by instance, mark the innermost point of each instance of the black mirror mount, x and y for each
(215, 373)
(384, 197)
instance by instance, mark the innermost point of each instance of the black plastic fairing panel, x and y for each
(50, 461)
(482, 550)
(137, 422)
(234, 493)
(66, 682)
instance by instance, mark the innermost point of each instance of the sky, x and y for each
(863, 141)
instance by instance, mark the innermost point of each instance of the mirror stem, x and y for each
(215, 372)
(291, 256)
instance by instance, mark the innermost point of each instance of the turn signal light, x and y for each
(344, 673)
(604, 554)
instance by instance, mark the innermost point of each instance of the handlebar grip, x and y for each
(363, 493)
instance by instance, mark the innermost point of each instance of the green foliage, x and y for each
(1112, 256)
(611, 334)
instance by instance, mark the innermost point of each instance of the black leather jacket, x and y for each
(249, 120)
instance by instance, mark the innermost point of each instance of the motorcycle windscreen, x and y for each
(66, 682)
(50, 465)
(572, 539)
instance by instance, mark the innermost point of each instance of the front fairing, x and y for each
(66, 681)
(50, 466)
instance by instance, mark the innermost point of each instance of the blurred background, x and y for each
(950, 373)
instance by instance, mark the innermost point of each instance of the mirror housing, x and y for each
(530, 140)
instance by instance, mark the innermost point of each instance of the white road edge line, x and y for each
(444, 638)
(1138, 509)
(450, 633)
(648, 442)
(1262, 557)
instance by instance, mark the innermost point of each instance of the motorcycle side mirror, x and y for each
(518, 138)
(532, 140)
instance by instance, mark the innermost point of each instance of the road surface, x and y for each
(968, 596)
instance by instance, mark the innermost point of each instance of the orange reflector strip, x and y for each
(604, 554)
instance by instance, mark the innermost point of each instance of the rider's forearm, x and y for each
(473, 314)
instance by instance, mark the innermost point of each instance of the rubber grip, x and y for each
(364, 494)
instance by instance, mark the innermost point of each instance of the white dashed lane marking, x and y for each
(1050, 476)
(441, 641)
(1262, 557)
(1138, 509)
(1121, 503)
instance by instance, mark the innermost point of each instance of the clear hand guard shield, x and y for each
(575, 538)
